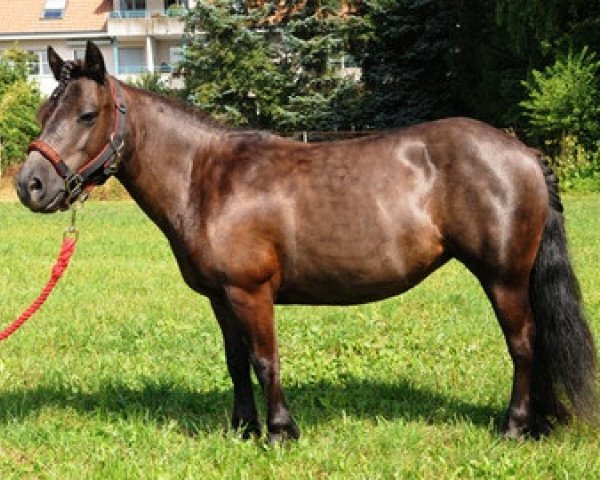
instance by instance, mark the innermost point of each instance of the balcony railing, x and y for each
(170, 12)
(132, 69)
(137, 69)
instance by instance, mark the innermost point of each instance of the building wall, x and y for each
(155, 5)
(66, 49)
(154, 35)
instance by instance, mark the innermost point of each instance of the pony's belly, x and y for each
(371, 268)
(338, 295)
(347, 286)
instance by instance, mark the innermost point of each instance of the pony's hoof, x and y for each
(538, 427)
(513, 434)
(247, 428)
(541, 427)
(284, 433)
(250, 430)
(514, 428)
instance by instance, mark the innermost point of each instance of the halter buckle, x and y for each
(111, 167)
(73, 187)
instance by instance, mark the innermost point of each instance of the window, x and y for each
(175, 56)
(131, 60)
(54, 9)
(132, 9)
(175, 3)
(133, 4)
(79, 54)
(39, 65)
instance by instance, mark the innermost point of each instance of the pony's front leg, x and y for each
(245, 415)
(254, 309)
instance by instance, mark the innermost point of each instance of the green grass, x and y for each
(121, 374)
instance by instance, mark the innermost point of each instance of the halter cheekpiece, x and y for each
(99, 168)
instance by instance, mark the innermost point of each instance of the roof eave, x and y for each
(52, 35)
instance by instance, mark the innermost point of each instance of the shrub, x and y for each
(111, 190)
(576, 167)
(19, 101)
(151, 81)
(563, 100)
(18, 124)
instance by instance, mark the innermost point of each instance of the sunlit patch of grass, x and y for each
(121, 374)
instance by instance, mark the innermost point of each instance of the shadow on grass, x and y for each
(196, 411)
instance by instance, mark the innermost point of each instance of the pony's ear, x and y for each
(56, 63)
(94, 62)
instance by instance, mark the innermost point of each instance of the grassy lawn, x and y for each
(121, 374)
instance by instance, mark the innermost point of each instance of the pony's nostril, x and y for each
(35, 184)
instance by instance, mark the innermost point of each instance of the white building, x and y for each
(135, 36)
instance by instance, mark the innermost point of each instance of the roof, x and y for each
(24, 16)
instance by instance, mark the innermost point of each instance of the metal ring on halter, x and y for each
(73, 188)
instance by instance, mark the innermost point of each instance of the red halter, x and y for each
(99, 168)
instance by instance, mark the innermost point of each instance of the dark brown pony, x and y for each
(254, 219)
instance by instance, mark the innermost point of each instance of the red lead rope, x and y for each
(62, 262)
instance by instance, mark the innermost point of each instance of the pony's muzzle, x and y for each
(35, 186)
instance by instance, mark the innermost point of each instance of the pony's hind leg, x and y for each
(245, 415)
(512, 307)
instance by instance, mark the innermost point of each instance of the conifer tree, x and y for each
(272, 64)
(229, 65)
(405, 62)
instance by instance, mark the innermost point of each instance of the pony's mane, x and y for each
(203, 117)
(181, 106)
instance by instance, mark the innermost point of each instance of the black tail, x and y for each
(564, 356)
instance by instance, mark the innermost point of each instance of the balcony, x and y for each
(142, 23)
(165, 70)
(171, 12)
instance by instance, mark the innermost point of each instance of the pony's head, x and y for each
(80, 131)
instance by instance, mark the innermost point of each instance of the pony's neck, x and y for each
(163, 141)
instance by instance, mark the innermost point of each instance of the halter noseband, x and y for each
(98, 169)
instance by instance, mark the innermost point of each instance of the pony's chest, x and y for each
(192, 254)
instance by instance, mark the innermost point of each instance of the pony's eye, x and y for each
(88, 117)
